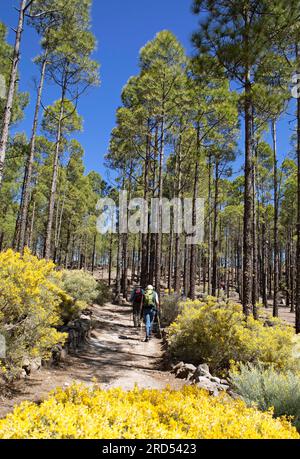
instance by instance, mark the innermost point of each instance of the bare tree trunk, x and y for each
(144, 236)
(255, 285)
(32, 221)
(12, 87)
(47, 248)
(119, 266)
(185, 269)
(297, 294)
(276, 246)
(94, 253)
(264, 280)
(110, 259)
(292, 276)
(159, 235)
(177, 267)
(192, 289)
(209, 224)
(215, 228)
(170, 260)
(24, 206)
(248, 205)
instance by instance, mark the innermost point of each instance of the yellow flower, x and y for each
(84, 412)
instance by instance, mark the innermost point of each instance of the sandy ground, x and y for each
(114, 356)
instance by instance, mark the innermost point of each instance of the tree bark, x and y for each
(193, 248)
(298, 214)
(47, 248)
(214, 235)
(248, 205)
(11, 88)
(276, 245)
(24, 206)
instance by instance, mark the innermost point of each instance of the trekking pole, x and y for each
(141, 319)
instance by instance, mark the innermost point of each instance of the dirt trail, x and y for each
(114, 356)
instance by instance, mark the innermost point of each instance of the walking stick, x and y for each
(141, 320)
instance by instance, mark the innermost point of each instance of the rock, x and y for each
(215, 393)
(31, 365)
(186, 371)
(223, 387)
(35, 364)
(201, 370)
(23, 374)
(85, 317)
(204, 380)
(215, 379)
(233, 395)
(176, 367)
(205, 383)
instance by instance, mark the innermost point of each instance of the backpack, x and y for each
(138, 295)
(149, 299)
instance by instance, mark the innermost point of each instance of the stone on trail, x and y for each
(185, 371)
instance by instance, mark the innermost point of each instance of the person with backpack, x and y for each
(150, 309)
(136, 298)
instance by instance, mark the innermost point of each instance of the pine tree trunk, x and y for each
(209, 225)
(110, 259)
(119, 267)
(47, 248)
(248, 205)
(185, 269)
(94, 253)
(276, 245)
(31, 227)
(264, 280)
(288, 268)
(159, 235)
(214, 235)
(255, 293)
(298, 215)
(193, 248)
(170, 260)
(24, 206)
(144, 250)
(177, 266)
(11, 88)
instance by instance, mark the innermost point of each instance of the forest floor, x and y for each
(114, 356)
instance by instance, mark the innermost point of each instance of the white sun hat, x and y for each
(150, 287)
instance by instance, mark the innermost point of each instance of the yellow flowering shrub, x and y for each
(219, 333)
(91, 413)
(29, 305)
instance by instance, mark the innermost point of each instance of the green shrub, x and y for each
(80, 290)
(219, 333)
(80, 285)
(103, 293)
(169, 309)
(266, 388)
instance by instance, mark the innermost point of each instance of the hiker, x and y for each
(150, 309)
(136, 299)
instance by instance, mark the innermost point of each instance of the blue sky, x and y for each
(122, 27)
